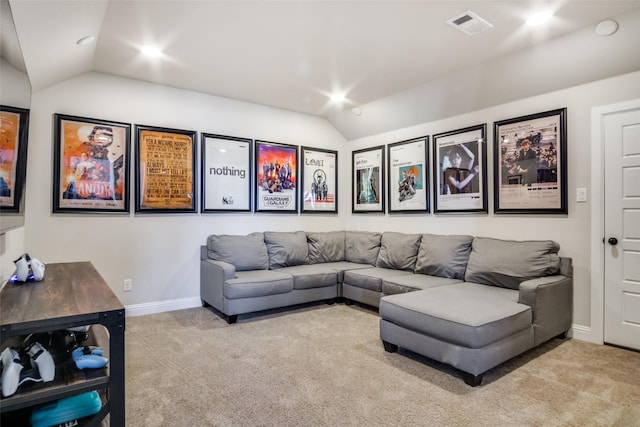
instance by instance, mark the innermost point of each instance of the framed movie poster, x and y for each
(408, 176)
(165, 170)
(460, 165)
(531, 163)
(91, 165)
(226, 173)
(14, 125)
(319, 183)
(276, 177)
(368, 184)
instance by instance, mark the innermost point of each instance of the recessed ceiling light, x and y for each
(337, 98)
(539, 18)
(356, 111)
(151, 51)
(86, 40)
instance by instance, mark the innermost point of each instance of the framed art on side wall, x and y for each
(165, 170)
(91, 165)
(226, 173)
(367, 180)
(409, 176)
(276, 176)
(531, 163)
(319, 183)
(14, 125)
(460, 165)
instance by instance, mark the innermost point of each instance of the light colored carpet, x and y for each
(325, 366)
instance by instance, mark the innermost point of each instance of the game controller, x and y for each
(25, 265)
(13, 375)
(10, 371)
(89, 357)
(37, 267)
(22, 268)
(42, 360)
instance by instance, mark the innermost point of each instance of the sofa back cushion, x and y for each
(362, 247)
(286, 248)
(325, 246)
(398, 250)
(244, 252)
(443, 256)
(507, 263)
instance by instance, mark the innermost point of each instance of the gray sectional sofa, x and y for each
(470, 302)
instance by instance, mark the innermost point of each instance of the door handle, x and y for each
(613, 241)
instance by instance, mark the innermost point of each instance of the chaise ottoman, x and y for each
(469, 326)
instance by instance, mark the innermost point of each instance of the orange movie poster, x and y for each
(166, 170)
(92, 166)
(10, 130)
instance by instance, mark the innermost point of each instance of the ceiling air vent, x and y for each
(469, 23)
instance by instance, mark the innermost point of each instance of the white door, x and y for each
(622, 228)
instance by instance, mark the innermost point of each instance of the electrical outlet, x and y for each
(127, 285)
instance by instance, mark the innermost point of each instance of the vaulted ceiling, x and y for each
(382, 55)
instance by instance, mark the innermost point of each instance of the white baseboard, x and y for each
(162, 306)
(580, 332)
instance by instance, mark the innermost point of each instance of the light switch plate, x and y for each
(581, 195)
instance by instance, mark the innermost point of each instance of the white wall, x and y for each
(572, 231)
(160, 252)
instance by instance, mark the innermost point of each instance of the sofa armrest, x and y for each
(228, 269)
(551, 302)
(213, 274)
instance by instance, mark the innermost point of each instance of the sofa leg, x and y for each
(563, 335)
(472, 380)
(347, 301)
(330, 301)
(232, 319)
(204, 303)
(390, 348)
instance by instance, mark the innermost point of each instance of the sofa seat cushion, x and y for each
(257, 283)
(311, 276)
(342, 266)
(413, 282)
(371, 278)
(465, 314)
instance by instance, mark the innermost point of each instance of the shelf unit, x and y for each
(71, 295)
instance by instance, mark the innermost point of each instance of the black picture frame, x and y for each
(165, 170)
(319, 181)
(275, 177)
(460, 170)
(13, 157)
(408, 176)
(531, 180)
(91, 165)
(367, 189)
(226, 173)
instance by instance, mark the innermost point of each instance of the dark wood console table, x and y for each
(71, 295)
